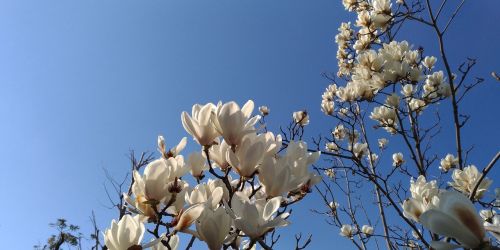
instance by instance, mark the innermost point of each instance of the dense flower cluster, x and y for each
(242, 201)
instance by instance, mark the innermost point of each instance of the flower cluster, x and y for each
(243, 199)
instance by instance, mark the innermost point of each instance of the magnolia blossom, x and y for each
(213, 226)
(154, 186)
(397, 159)
(330, 173)
(466, 180)
(128, 232)
(184, 220)
(455, 217)
(248, 156)
(340, 132)
(173, 152)
(372, 157)
(332, 147)
(429, 62)
(327, 107)
(407, 90)
(255, 217)
(417, 105)
(493, 225)
(392, 100)
(386, 117)
(234, 123)
(218, 153)
(333, 205)
(299, 160)
(367, 230)
(264, 110)
(487, 214)
(423, 197)
(301, 118)
(273, 169)
(448, 162)
(197, 164)
(347, 231)
(359, 149)
(382, 143)
(204, 194)
(200, 124)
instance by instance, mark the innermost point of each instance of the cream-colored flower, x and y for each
(397, 159)
(200, 125)
(465, 180)
(367, 230)
(423, 197)
(454, 217)
(234, 123)
(347, 231)
(448, 162)
(429, 62)
(332, 147)
(382, 143)
(301, 118)
(197, 163)
(128, 232)
(264, 110)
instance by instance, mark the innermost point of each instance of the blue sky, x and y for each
(83, 82)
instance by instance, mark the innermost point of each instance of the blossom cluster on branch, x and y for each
(246, 180)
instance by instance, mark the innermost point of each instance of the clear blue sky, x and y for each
(83, 82)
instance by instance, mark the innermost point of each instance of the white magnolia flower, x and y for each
(429, 62)
(359, 149)
(340, 132)
(367, 230)
(327, 107)
(397, 159)
(392, 100)
(212, 184)
(299, 160)
(382, 143)
(234, 123)
(330, 173)
(264, 110)
(493, 226)
(202, 194)
(197, 163)
(448, 162)
(273, 169)
(218, 153)
(386, 117)
(200, 125)
(454, 217)
(173, 152)
(465, 180)
(213, 226)
(407, 90)
(248, 156)
(332, 147)
(255, 217)
(372, 157)
(423, 197)
(347, 231)
(487, 214)
(333, 205)
(128, 232)
(301, 118)
(417, 105)
(184, 220)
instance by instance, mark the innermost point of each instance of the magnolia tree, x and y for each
(237, 189)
